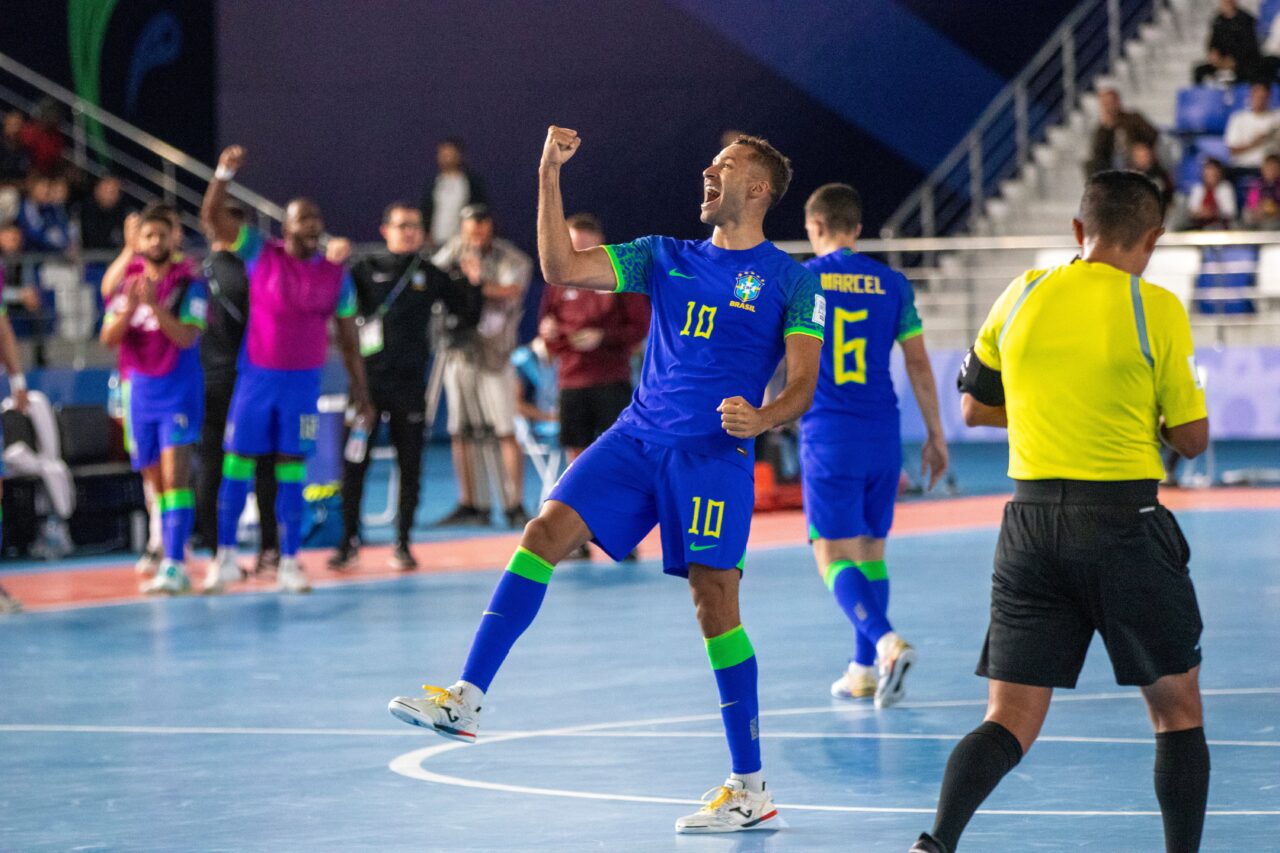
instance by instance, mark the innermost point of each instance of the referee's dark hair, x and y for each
(394, 206)
(839, 206)
(1119, 208)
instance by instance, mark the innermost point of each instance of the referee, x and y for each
(1088, 366)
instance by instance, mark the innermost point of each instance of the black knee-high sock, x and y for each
(1182, 787)
(976, 766)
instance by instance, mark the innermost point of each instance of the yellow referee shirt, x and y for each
(1091, 358)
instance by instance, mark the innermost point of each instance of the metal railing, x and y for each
(1087, 44)
(149, 168)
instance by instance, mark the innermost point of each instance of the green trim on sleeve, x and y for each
(911, 333)
(241, 238)
(730, 648)
(617, 269)
(192, 320)
(530, 566)
(802, 330)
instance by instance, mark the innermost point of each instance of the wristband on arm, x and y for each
(979, 381)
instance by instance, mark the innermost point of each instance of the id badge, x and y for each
(370, 336)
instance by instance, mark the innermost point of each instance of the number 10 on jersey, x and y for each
(706, 320)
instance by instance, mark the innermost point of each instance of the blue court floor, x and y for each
(256, 722)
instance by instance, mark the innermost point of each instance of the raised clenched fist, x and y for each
(562, 143)
(232, 158)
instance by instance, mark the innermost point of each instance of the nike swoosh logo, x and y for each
(697, 547)
(728, 704)
(675, 273)
(489, 613)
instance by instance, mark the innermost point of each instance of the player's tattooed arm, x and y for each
(219, 224)
(742, 420)
(561, 263)
(114, 275)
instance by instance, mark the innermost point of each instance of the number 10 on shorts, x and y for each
(715, 510)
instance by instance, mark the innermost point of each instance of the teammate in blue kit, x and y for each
(850, 444)
(725, 311)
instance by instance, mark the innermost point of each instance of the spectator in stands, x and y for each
(42, 137)
(1233, 46)
(396, 293)
(454, 187)
(24, 277)
(18, 389)
(1252, 134)
(1262, 206)
(219, 355)
(1142, 158)
(15, 160)
(102, 216)
(1211, 206)
(43, 218)
(593, 334)
(479, 380)
(1117, 131)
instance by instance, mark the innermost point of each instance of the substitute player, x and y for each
(1088, 366)
(18, 390)
(155, 319)
(724, 311)
(850, 441)
(293, 291)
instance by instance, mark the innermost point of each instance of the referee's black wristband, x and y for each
(979, 381)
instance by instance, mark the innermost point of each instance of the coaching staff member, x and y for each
(1088, 366)
(396, 290)
(219, 355)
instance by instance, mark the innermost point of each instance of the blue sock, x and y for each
(862, 591)
(734, 662)
(290, 477)
(511, 610)
(237, 474)
(177, 517)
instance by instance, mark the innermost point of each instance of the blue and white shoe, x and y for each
(442, 710)
(169, 580)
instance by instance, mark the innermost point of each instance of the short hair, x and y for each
(1119, 207)
(586, 222)
(455, 141)
(476, 213)
(774, 162)
(1271, 158)
(839, 206)
(1214, 162)
(398, 204)
(157, 212)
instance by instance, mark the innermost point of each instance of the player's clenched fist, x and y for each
(231, 158)
(741, 419)
(561, 144)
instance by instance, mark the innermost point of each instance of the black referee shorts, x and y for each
(587, 413)
(1077, 557)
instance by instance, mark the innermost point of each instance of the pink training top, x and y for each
(290, 303)
(146, 350)
(182, 265)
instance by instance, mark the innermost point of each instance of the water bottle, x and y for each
(357, 442)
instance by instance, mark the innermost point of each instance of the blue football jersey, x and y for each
(869, 307)
(719, 321)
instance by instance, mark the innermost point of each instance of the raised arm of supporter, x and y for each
(561, 263)
(115, 323)
(219, 224)
(114, 275)
(185, 327)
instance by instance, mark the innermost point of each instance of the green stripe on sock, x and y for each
(177, 499)
(730, 648)
(291, 472)
(237, 467)
(833, 571)
(529, 565)
(874, 570)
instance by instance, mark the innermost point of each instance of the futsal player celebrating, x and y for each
(1088, 366)
(155, 320)
(725, 310)
(18, 389)
(293, 291)
(850, 444)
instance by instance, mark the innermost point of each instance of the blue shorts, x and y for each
(622, 486)
(844, 500)
(156, 428)
(273, 411)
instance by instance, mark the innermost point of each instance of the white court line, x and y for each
(411, 764)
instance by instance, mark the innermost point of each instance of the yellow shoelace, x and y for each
(437, 695)
(723, 794)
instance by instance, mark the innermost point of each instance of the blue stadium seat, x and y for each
(1266, 14)
(1196, 150)
(1202, 109)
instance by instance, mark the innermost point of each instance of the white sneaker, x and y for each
(290, 577)
(442, 710)
(169, 580)
(731, 808)
(223, 569)
(857, 682)
(148, 564)
(896, 657)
